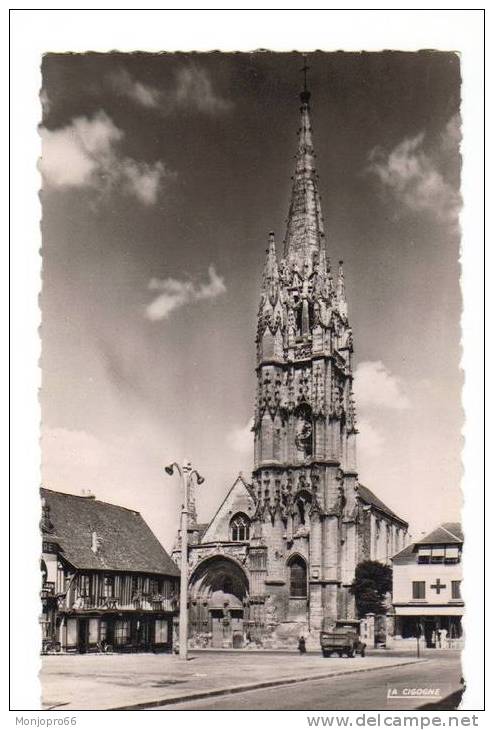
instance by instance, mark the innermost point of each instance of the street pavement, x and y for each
(362, 691)
(114, 681)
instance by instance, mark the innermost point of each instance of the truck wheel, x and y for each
(340, 654)
(326, 654)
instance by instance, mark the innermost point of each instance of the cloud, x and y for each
(414, 176)
(176, 293)
(374, 385)
(85, 154)
(192, 89)
(71, 459)
(371, 441)
(142, 94)
(195, 88)
(241, 438)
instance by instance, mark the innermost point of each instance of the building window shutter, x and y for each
(418, 589)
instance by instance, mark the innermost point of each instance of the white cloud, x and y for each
(70, 459)
(192, 89)
(176, 293)
(85, 154)
(141, 93)
(371, 441)
(374, 385)
(144, 180)
(195, 88)
(241, 438)
(413, 176)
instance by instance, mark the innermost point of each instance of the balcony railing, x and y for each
(148, 602)
(48, 589)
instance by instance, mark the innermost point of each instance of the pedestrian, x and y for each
(301, 645)
(443, 634)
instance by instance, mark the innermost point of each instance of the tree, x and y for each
(373, 580)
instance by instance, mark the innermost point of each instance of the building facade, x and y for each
(107, 582)
(280, 554)
(427, 588)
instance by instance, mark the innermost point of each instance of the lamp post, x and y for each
(186, 473)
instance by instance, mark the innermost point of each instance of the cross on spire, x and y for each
(304, 70)
(305, 95)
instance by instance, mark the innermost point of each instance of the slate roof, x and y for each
(407, 552)
(370, 498)
(447, 532)
(126, 543)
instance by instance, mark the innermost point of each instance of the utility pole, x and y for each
(186, 474)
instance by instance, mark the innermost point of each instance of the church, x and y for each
(279, 556)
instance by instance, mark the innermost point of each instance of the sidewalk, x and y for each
(135, 681)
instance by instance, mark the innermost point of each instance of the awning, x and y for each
(452, 551)
(429, 610)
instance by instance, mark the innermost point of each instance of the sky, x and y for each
(162, 177)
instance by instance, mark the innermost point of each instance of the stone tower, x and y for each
(305, 477)
(279, 554)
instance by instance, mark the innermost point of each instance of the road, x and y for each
(363, 691)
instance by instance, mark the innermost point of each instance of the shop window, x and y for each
(161, 631)
(122, 632)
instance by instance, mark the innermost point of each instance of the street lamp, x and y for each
(186, 473)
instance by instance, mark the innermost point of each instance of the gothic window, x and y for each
(240, 527)
(298, 577)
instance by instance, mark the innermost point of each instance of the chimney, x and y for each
(87, 494)
(95, 542)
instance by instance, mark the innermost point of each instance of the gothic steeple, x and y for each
(305, 229)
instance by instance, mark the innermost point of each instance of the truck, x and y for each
(342, 639)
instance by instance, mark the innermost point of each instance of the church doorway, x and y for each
(219, 590)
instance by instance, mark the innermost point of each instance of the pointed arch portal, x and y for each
(219, 590)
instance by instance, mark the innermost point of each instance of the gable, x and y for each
(238, 499)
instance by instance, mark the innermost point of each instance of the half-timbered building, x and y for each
(107, 582)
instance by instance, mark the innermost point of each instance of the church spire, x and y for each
(305, 230)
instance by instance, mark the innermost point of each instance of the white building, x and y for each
(426, 587)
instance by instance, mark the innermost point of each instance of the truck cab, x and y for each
(341, 638)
